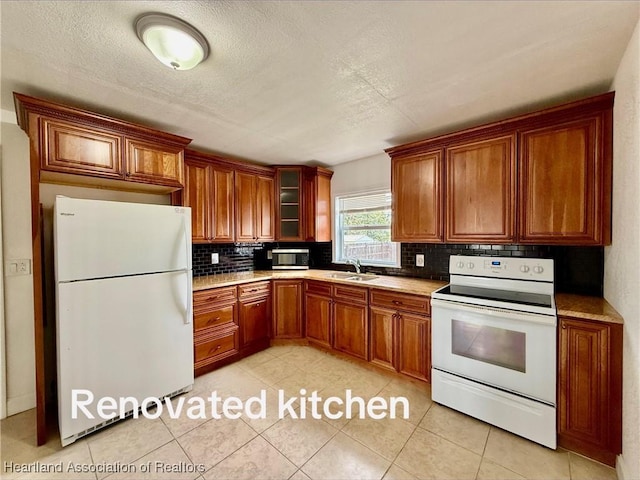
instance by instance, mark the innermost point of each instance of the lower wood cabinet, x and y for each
(318, 304)
(254, 308)
(215, 327)
(287, 309)
(590, 388)
(351, 328)
(401, 333)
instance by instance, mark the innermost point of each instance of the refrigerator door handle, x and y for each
(187, 314)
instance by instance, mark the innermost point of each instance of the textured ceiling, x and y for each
(324, 82)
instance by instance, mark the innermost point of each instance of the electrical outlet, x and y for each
(419, 260)
(215, 258)
(17, 267)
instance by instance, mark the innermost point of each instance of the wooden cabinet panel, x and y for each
(287, 309)
(255, 318)
(215, 347)
(381, 348)
(265, 209)
(203, 298)
(590, 388)
(196, 194)
(350, 329)
(255, 289)
(245, 207)
(416, 187)
(564, 158)
(254, 208)
(75, 149)
(414, 345)
(403, 301)
(318, 318)
(148, 162)
(222, 204)
(480, 200)
(203, 319)
(350, 294)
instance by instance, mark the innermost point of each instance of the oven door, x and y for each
(510, 350)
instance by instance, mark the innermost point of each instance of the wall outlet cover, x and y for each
(215, 258)
(419, 260)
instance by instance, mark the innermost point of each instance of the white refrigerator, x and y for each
(123, 304)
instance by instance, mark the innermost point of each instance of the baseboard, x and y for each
(621, 469)
(21, 403)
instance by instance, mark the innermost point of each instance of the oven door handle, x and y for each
(550, 320)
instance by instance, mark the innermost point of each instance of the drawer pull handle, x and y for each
(214, 350)
(397, 302)
(257, 305)
(211, 299)
(212, 320)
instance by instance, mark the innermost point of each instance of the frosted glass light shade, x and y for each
(175, 43)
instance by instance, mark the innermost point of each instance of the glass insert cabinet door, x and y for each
(289, 203)
(497, 346)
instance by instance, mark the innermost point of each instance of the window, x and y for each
(363, 230)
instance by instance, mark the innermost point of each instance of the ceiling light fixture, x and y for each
(174, 42)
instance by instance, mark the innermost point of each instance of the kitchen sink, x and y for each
(356, 277)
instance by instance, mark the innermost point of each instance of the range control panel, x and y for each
(540, 269)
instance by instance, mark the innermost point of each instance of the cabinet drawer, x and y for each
(202, 298)
(318, 288)
(213, 318)
(258, 289)
(400, 301)
(215, 346)
(353, 294)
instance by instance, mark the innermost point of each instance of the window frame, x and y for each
(338, 229)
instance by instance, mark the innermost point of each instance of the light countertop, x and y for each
(567, 305)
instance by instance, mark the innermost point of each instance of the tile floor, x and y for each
(433, 443)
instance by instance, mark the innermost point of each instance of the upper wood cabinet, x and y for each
(76, 146)
(567, 158)
(590, 388)
(304, 204)
(541, 178)
(480, 204)
(416, 186)
(209, 192)
(254, 207)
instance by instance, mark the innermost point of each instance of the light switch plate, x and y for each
(419, 260)
(215, 258)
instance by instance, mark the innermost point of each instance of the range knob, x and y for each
(538, 269)
(524, 268)
(470, 265)
(460, 265)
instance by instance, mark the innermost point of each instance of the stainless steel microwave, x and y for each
(290, 258)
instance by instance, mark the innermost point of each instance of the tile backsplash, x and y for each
(577, 269)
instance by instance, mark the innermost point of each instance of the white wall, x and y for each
(18, 290)
(16, 244)
(622, 258)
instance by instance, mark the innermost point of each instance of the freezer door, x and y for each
(99, 239)
(122, 337)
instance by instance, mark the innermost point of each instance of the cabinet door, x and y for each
(416, 187)
(350, 327)
(221, 199)
(254, 321)
(562, 182)
(481, 180)
(152, 163)
(245, 207)
(318, 315)
(197, 195)
(265, 209)
(287, 308)
(290, 206)
(73, 149)
(589, 388)
(383, 328)
(414, 345)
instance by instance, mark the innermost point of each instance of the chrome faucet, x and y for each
(356, 263)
